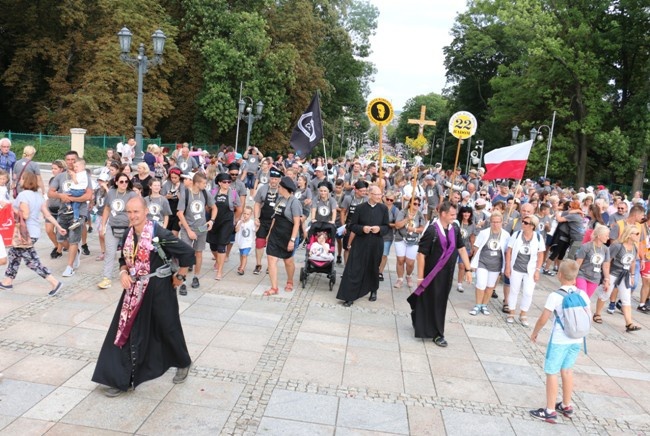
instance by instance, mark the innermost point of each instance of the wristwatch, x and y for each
(181, 277)
(293, 239)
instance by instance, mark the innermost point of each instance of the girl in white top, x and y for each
(320, 250)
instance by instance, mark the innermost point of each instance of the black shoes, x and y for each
(440, 341)
(85, 250)
(257, 270)
(182, 290)
(348, 303)
(494, 294)
(381, 277)
(54, 254)
(195, 282)
(339, 260)
(373, 296)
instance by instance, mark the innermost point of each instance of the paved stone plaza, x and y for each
(302, 364)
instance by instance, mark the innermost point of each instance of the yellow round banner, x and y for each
(380, 111)
(462, 125)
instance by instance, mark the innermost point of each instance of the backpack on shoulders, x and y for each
(576, 316)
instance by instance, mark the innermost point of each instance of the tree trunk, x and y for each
(639, 174)
(582, 160)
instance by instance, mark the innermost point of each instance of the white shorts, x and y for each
(486, 279)
(408, 251)
(624, 293)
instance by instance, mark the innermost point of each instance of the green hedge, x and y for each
(51, 150)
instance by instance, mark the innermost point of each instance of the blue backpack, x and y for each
(576, 316)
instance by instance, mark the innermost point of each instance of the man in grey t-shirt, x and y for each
(185, 162)
(59, 189)
(192, 205)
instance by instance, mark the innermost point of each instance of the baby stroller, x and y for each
(319, 266)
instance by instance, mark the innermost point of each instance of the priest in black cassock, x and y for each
(145, 337)
(439, 248)
(361, 274)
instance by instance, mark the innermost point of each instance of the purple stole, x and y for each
(448, 245)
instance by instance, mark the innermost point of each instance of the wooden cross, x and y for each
(422, 121)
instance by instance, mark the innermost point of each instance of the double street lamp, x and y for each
(536, 133)
(246, 114)
(142, 63)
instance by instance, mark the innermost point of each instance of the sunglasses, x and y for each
(226, 181)
(483, 195)
(390, 199)
(233, 175)
(122, 181)
(528, 223)
(621, 208)
(416, 204)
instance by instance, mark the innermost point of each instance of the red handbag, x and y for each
(7, 224)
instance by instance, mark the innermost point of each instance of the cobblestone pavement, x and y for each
(301, 363)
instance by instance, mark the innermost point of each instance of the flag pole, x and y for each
(380, 181)
(241, 88)
(505, 221)
(457, 154)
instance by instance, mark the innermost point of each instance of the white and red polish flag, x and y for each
(507, 162)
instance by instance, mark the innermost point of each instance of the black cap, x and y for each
(274, 172)
(287, 183)
(222, 177)
(233, 166)
(326, 184)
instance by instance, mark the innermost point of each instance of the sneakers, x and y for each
(68, 211)
(181, 375)
(339, 260)
(619, 306)
(643, 309)
(398, 283)
(77, 260)
(257, 270)
(494, 294)
(409, 281)
(548, 272)
(612, 308)
(56, 289)
(485, 310)
(85, 250)
(381, 277)
(195, 282)
(459, 288)
(74, 225)
(54, 254)
(566, 411)
(69, 272)
(105, 283)
(475, 311)
(544, 415)
(182, 290)
(113, 392)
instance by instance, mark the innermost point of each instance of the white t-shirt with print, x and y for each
(554, 303)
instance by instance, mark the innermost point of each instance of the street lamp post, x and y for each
(515, 135)
(536, 133)
(142, 63)
(246, 114)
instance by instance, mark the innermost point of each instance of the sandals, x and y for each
(398, 283)
(218, 277)
(270, 291)
(597, 319)
(288, 287)
(523, 320)
(510, 319)
(632, 328)
(240, 271)
(506, 309)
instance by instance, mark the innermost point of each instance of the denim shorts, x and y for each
(387, 245)
(244, 251)
(560, 356)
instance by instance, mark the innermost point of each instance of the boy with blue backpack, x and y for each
(571, 312)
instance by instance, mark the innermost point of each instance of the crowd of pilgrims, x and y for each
(203, 200)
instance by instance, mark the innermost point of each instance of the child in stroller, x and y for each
(320, 249)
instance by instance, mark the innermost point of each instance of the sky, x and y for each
(407, 47)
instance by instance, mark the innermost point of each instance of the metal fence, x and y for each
(104, 141)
